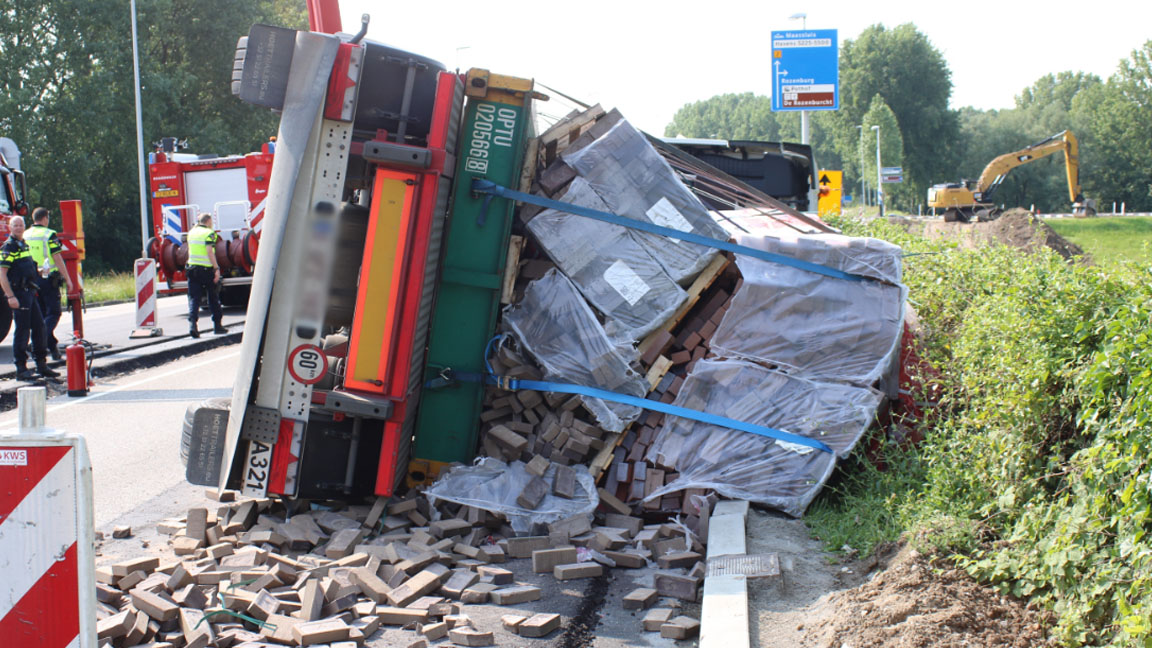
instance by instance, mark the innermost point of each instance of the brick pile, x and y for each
(258, 574)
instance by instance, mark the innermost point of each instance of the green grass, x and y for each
(116, 286)
(1108, 239)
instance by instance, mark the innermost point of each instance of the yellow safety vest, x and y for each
(198, 240)
(37, 238)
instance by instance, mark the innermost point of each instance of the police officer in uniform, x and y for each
(18, 275)
(203, 275)
(46, 247)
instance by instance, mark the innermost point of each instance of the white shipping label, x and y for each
(625, 281)
(663, 213)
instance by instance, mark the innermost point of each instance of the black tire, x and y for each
(5, 320)
(218, 402)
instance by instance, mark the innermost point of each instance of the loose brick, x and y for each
(153, 605)
(533, 493)
(657, 617)
(613, 503)
(468, 636)
(640, 598)
(343, 543)
(318, 632)
(434, 631)
(631, 524)
(540, 625)
(544, 560)
(459, 581)
(681, 627)
(537, 466)
(677, 560)
(479, 593)
(627, 559)
(371, 584)
(677, 586)
(423, 583)
(577, 570)
(515, 595)
(116, 625)
(524, 546)
(495, 575)
(146, 565)
(311, 602)
(400, 616)
(449, 528)
(564, 481)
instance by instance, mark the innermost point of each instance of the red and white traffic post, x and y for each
(145, 300)
(47, 562)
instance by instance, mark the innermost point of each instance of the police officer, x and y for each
(203, 275)
(46, 247)
(18, 275)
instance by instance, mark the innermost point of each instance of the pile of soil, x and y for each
(913, 604)
(1016, 228)
(1019, 228)
(891, 599)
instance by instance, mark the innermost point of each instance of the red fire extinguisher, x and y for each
(76, 357)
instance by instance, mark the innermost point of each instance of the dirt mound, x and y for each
(1016, 228)
(912, 604)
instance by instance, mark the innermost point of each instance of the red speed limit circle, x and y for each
(307, 364)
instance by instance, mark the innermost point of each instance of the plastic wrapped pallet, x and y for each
(743, 465)
(636, 182)
(493, 486)
(556, 326)
(812, 325)
(613, 271)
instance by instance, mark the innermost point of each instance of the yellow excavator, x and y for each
(962, 201)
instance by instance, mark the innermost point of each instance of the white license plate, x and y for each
(257, 469)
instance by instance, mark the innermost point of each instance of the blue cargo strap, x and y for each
(482, 186)
(449, 376)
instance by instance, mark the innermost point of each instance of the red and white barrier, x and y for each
(146, 300)
(47, 570)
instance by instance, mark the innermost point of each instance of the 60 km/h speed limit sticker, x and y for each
(307, 364)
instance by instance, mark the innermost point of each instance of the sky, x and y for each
(650, 58)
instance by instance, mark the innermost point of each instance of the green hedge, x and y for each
(1034, 474)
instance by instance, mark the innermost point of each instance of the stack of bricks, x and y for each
(533, 427)
(259, 574)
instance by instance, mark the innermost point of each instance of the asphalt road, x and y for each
(132, 426)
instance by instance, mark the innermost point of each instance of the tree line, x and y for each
(896, 79)
(66, 98)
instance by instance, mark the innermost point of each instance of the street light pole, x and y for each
(863, 183)
(139, 138)
(879, 180)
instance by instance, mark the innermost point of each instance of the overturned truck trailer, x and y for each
(332, 358)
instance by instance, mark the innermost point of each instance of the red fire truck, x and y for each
(232, 188)
(13, 189)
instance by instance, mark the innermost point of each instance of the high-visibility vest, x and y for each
(37, 238)
(198, 246)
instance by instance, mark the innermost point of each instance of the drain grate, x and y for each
(765, 565)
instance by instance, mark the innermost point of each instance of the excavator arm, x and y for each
(998, 168)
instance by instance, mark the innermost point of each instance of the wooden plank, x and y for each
(562, 128)
(724, 610)
(702, 282)
(528, 168)
(511, 268)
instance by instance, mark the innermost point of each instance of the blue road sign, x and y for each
(805, 70)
